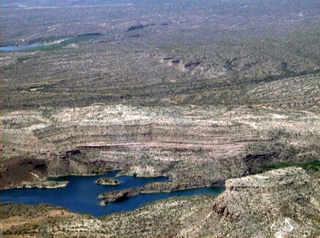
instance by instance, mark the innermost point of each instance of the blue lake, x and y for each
(18, 47)
(81, 194)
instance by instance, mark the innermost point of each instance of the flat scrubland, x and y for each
(198, 91)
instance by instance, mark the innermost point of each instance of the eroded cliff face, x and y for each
(203, 145)
(18, 170)
(279, 203)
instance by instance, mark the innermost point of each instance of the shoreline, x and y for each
(40, 185)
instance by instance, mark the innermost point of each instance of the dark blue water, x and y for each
(18, 47)
(81, 194)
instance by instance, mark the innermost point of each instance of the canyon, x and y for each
(204, 93)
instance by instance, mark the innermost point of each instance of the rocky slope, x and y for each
(278, 203)
(202, 145)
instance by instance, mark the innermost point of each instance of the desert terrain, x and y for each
(203, 92)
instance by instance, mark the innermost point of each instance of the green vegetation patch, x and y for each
(51, 45)
(309, 166)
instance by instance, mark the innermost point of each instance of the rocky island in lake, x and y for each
(156, 187)
(108, 181)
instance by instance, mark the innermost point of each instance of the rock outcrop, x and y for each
(278, 203)
(19, 170)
